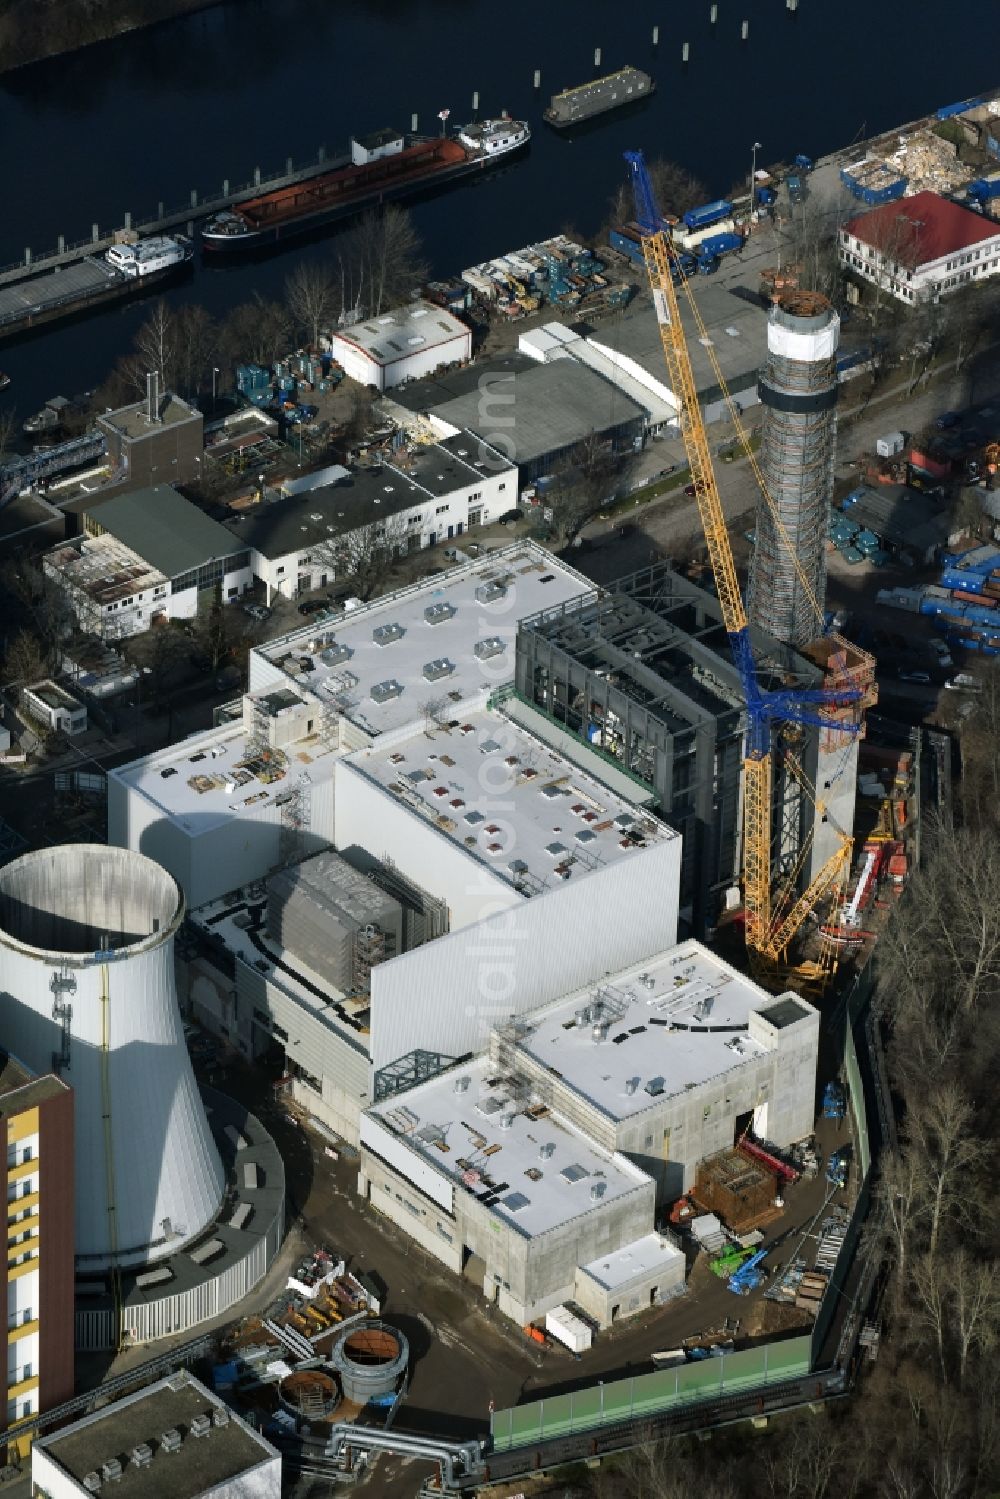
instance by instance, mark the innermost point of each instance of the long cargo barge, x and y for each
(384, 167)
(573, 106)
(125, 270)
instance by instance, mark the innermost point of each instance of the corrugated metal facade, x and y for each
(448, 995)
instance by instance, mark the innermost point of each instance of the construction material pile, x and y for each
(929, 163)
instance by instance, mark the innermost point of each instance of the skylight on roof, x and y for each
(574, 1173)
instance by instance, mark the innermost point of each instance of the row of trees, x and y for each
(377, 264)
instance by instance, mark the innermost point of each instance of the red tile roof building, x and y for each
(921, 247)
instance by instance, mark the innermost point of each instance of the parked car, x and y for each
(692, 489)
(914, 676)
(510, 517)
(963, 682)
(257, 611)
(941, 651)
(313, 606)
(948, 419)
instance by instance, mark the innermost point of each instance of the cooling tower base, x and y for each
(225, 1262)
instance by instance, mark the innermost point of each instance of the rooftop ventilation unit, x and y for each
(461, 1083)
(384, 692)
(171, 1441)
(386, 634)
(489, 593)
(200, 1426)
(546, 1150)
(597, 1191)
(647, 981)
(111, 1471)
(600, 1031)
(655, 1086)
(92, 1481)
(435, 670)
(142, 1455)
(220, 1416)
(631, 1086)
(436, 614)
(506, 1121)
(336, 654)
(582, 1017)
(485, 649)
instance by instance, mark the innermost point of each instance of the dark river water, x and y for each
(127, 124)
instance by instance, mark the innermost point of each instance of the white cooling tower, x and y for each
(87, 974)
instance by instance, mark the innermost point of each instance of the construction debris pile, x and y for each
(929, 164)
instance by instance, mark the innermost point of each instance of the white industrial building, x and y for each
(228, 805)
(173, 1435)
(438, 648)
(55, 708)
(921, 247)
(516, 1168)
(513, 1199)
(146, 557)
(403, 344)
(670, 1060)
(478, 934)
(426, 493)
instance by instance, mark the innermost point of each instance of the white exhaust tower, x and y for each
(87, 974)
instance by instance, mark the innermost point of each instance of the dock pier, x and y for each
(197, 207)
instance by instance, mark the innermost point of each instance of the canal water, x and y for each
(127, 124)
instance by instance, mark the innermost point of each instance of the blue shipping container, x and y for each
(948, 111)
(984, 188)
(720, 244)
(708, 213)
(873, 195)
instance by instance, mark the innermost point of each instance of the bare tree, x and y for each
(25, 660)
(255, 332)
(312, 298)
(942, 1128)
(381, 263)
(156, 344)
(675, 188)
(974, 1284)
(901, 1195)
(214, 630)
(363, 558)
(196, 338)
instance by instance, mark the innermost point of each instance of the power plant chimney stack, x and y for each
(798, 392)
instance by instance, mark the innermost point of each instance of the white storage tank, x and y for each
(87, 969)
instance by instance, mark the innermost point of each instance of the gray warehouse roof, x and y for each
(736, 326)
(164, 529)
(531, 409)
(198, 1465)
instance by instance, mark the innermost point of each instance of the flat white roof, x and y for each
(405, 331)
(445, 641)
(533, 1173)
(557, 821)
(286, 970)
(633, 1262)
(654, 1030)
(212, 777)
